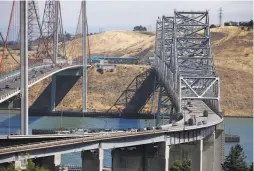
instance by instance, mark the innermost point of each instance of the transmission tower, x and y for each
(33, 22)
(52, 25)
(220, 16)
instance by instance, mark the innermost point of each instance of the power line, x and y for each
(220, 16)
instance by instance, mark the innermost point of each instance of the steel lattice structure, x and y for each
(33, 22)
(184, 61)
(51, 25)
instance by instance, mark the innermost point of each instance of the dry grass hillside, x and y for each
(232, 50)
(103, 89)
(233, 54)
(116, 43)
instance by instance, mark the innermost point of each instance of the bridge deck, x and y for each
(13, 81)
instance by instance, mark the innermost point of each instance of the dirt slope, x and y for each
(232, 50)
(233, 54)
(116, 43)
(103, 89)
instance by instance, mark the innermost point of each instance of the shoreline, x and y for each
(237, 116)
(93, 114)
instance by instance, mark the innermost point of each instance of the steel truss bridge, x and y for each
(184, 61)
(186, 79)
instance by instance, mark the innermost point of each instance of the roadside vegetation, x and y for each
(29, 167)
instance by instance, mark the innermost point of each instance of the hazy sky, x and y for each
(118, 15)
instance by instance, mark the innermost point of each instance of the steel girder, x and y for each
(184, 61)
(121, 103)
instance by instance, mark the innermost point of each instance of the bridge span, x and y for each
(189, 92)
(194, 136)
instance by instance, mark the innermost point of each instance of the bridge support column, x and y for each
(92, 160)
(208, 153)
(196, 156)
(24, 67)
(53, 94)
(156, 158)
(219, 144)
(84, 92)
(51, 163)
(127, 159)
(192, 152)
(144, 157)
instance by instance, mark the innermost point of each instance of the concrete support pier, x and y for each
(208, 153)
(192, 152)
(152, 157)
(51, 163)
(53, 94)
(92, 160)
(156, 157)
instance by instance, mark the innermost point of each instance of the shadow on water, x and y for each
(14, 124)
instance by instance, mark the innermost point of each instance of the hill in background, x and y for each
(232, 50)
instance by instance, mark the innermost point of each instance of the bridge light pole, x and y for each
(24, 67)
(84, 56)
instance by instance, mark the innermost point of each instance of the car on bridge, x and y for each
(149, 128)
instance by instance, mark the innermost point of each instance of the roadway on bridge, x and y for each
(10, 85)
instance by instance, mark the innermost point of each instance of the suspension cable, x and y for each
(7, 35)
(9, 50)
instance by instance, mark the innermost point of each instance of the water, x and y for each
(244, 128)
(238, 126)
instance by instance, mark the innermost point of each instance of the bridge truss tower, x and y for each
(33, 22)
(52, 40)
(184, 61)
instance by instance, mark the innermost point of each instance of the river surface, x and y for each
(237, 126)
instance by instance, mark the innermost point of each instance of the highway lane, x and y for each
(94, 138)
(10, 86)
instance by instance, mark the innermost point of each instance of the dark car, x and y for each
(140, 130)
(149, 128)
(14, 133)
(7, 86)
(158, 128)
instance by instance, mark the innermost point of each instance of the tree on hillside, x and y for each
(67, 36)
(212, 26)
(250, 24)
(235, 160)
(139, 28)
